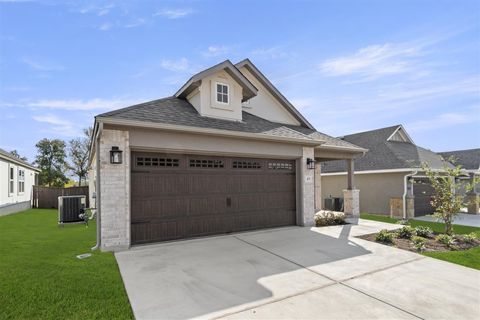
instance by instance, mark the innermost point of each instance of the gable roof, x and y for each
(8, 156)
(384, 154)
(179, 112)
(249, 90)
(274, 91)
(468, 159)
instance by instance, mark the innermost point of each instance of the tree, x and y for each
(445, 200)
(17, 155)
(51, 161)
(78, 151)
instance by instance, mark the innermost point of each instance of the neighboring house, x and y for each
(389, 176)
(17, 179)
(228, 152)
(470, 162)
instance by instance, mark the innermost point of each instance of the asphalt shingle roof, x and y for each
(384, 154)
(468, 159)
(8, 155)
(177, 111)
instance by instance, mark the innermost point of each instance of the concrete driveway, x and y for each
(318, 273)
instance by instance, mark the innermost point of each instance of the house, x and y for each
(470, 162)
(226, 153)
(389, 176)
(17, 180)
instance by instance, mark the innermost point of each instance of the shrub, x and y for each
(445, 239)
(406, 232)
(384, 236)
(422, 231)
(470, 238)
(419, 243)
(403, 222)
(329, 218)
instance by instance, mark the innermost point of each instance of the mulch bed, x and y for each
(431, 245)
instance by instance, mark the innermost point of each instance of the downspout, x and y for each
(405, 191)
(97, 184)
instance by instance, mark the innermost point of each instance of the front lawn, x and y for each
(469, 258)
(41, 278)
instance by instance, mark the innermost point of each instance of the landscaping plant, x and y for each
(419, 243)
(445, 201)
(423, 231)
(406, 232)
(470, 238)
(384, 236)
(445, 239)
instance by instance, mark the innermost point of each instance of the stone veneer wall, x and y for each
(115, 192)
(307, 194)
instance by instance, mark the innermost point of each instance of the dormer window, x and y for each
(222, 93)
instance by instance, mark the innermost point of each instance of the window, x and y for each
(222, 93)
(195, 163)
(21, 181)
(245, 164)
(11, 179)
(280, 166)
(157, 162)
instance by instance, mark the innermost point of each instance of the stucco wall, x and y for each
(15, 197)
(265, 105)
(375, 189)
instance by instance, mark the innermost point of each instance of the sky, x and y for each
(348, 66)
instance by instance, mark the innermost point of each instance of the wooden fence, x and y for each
(47, 197)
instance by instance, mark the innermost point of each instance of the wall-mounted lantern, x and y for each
(115, 155)
(310, 163)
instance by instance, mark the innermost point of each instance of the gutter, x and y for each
(207, 131)
(96, 141)
(405, 190)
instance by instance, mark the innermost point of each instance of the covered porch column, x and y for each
(351, 195)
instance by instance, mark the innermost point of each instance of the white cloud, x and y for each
(374, 61)
(136, 23)
(214, 51)
(174, 13)
(179, 65)
(74, 104)
(58, 125)
(41, 65)
(98, 10)
(105, 26)
(448, 119)
(269, 52)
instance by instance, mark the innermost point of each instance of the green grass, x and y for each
(468, 258)
(41, 278)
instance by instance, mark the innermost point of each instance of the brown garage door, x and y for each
(423, 192)
(180, 196)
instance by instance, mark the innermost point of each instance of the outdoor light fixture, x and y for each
(310, 163)
(115, 155)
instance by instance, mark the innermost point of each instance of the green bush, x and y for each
(445, 239)
(329, 218)
(419, 243)
(384, 236)
(403, 222)
(470, 238)
(406, 232)
(423, 231)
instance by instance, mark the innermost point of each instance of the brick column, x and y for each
(115, 192)
(307, 185)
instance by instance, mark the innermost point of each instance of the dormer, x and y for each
(218, 92)
(400, 135)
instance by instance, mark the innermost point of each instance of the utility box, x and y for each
(333, 204)
(70, 208)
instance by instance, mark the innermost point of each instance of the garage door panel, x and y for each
(202, 195)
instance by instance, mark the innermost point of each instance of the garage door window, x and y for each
(157, 162)
(246, 165)
(280, 166)
(204, 163)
